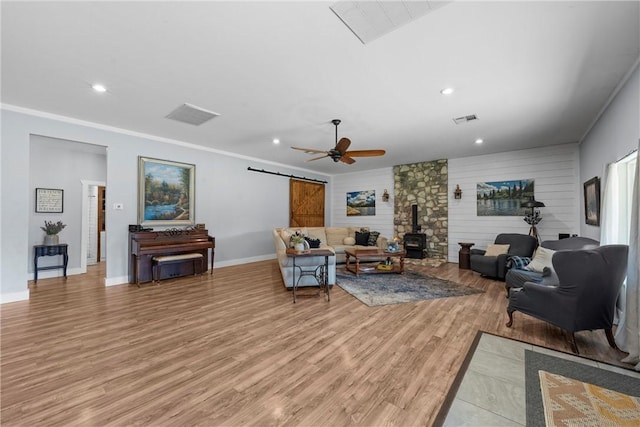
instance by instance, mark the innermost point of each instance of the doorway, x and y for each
(78, 165)
(101, 232)
(93, 238)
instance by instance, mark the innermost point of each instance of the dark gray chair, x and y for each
(496, 266)
(516, 277)
(585, 298)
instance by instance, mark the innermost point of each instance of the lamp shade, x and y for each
(532, 204)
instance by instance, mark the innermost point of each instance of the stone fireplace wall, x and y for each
(423, 184)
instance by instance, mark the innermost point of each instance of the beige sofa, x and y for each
(336, 239)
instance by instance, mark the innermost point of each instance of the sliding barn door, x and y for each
(306, 204)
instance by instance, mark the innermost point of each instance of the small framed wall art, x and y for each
(49, 200)
(592, 201)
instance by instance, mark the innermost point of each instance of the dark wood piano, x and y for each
(144, 245)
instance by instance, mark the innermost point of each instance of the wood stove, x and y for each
(415, 244)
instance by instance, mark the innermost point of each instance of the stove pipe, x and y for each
(414, 219)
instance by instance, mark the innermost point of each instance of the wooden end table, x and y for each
(464, 256)
(373, 255)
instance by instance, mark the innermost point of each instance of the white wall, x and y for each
(238, 206)
(378, 180)
(555, 171)
(615, 134)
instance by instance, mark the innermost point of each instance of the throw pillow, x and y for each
(285, 235)
(362, 238)
(336, 235)
(349, 241)
(519, 262)
(541, 259)
(495, 250)
(313, 243)
(373, 238)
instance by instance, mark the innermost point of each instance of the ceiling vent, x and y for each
(369, 20)
(191, 114)
(465, 119)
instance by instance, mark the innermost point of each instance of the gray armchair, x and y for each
(585, 297)
(515, 277)
(496, 266)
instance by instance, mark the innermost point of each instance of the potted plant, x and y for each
(52, 229)
(298, 242)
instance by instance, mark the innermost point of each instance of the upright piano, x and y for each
(144, 245)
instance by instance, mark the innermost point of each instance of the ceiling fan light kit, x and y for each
(339, 153)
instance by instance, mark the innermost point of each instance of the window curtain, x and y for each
(612, 225)
(614, 228)
(628, 331)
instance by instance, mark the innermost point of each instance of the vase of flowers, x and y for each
(52, 229)
(298, 242)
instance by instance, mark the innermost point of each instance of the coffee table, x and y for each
(373, 255)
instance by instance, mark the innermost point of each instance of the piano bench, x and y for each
(159, 261)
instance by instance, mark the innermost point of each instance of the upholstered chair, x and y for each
(496, 266)
(589, 281)
(516, 277)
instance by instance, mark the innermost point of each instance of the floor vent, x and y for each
(193, 115)
(465, 119)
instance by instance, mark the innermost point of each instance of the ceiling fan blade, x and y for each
(346, 159)
(365, 153)
(316, 158)
(343, 145)
(309, 150)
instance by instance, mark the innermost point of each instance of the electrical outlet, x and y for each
(118, 206)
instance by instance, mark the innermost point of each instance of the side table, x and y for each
(320, 273)
(464, 256)
(50, 250)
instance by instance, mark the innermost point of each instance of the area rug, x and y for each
(571, 402)
(384, 289)
(487, 400)
(536, 362)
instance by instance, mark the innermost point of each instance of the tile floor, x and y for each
(492, 392)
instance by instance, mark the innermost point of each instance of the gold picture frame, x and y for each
(166, 192)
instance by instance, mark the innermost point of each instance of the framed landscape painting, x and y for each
(592, 201)
(362, 203)
(503, 198)
(166, 192)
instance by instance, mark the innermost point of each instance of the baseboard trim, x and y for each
(14, 297)
(244, 260)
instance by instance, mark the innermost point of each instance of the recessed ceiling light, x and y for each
(99, 88)
(447, 91)
(479, 141)
(276, 141)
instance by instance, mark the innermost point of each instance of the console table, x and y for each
(50, 250)
(320, 273)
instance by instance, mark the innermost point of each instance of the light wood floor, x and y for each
(232, 349)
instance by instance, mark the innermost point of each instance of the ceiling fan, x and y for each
(339, 153)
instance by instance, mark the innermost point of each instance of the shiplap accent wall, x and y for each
(378, 180)
(555, 170)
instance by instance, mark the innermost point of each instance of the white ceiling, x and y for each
(535, 73)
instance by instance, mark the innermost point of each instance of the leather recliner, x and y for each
(496, 266)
